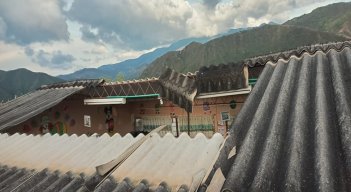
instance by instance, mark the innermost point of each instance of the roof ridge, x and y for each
(274, 57)
(131, 81)
(73, 83)
(286, 55)
(185, 135)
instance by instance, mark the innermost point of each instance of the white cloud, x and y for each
(139, 24)
(136, 24)
(61, 36)
(32, 21)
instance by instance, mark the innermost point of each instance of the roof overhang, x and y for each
(105, 101)
(224, 93)
(136, 96)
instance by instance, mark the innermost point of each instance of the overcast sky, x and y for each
(62, 36)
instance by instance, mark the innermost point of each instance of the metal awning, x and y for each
(224, 93)
(135, 96)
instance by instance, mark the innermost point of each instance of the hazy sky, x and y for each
(61, 36)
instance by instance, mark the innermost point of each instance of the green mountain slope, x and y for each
(236, 47)
(334, 18)
(21, 81)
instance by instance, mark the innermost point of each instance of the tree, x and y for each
(120, 76)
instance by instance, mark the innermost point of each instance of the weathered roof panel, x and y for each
(178, 88)
(176, 161)
(220, 78)
(293, 133)
(23, 108)
(298, 52)
(77, 83)
(64, 153)
(60, 163)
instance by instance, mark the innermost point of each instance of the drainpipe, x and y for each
(188, 123)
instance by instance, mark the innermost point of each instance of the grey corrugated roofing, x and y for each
(298, 52)
(178, 88)
(218, 78)
(23, 108)
(25, 180)
(77, 83)
(60, 163)
(181, 89)
(294, 131)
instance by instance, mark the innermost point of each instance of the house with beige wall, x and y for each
(207, 101)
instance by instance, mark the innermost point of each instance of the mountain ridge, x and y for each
(132, 68)
(334, 18)
(21, 81)
(238, 46)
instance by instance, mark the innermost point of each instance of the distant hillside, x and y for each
(236, 47)
(21, 81)
(334, 18)
(132, 68)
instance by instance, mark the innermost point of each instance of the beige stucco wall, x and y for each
(70, 114)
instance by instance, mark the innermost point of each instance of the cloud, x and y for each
(88, 34)
(3, 28)
(100, 32)
(136, 24)
(140, 24)
(32, 21)
(29, 51)
(56, 59)
(211, 3)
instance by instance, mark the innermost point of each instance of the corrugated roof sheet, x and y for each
(60, 163)
(176, 161)
(298, 52)
(64, 153)
(293, 133)
(178, 88)
(23, 108)
(77, 83)
(181, 89)
(220, 78)
(24, 180)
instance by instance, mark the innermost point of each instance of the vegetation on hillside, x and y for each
(236, 47)
(21, 81)
(334, 18)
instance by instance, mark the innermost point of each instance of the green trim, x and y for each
(135, 96)
(252, 81)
